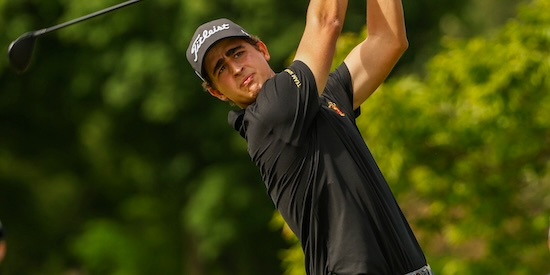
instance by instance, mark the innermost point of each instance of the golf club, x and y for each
(21, 49)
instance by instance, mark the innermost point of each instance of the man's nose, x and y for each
(236, 68)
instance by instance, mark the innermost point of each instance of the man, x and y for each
(300, 128)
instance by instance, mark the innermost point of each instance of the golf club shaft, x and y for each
(86, 17)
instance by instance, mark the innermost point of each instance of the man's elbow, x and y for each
(336, 21)
(399, 45)
(403, 44)
(394, 43)
(328, 17)
(328, 23)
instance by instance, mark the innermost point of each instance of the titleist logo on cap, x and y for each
(205, 35)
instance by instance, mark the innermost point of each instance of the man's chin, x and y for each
(254, 90)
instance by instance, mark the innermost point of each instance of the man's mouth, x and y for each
(247, 81)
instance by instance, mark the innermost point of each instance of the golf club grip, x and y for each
(86, 17)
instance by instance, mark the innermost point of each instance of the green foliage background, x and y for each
(113, 160)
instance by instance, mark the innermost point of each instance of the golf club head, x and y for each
(20, 51)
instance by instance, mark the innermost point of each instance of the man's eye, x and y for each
(238, 54)
(222, 68)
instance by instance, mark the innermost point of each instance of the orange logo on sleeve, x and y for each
(334, 107)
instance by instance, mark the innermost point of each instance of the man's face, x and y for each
(237, 70)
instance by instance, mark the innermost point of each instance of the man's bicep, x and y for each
(324, 21)
(317, 50)
(369, 64)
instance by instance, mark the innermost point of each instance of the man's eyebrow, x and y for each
(232, 51)
(229, 52)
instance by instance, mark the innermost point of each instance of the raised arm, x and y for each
(324, 22)
(373, 59)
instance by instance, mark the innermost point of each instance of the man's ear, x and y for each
(216, 93)
(263, 48)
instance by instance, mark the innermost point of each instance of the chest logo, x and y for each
(334, 107)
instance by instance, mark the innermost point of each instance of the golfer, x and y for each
(300, 128)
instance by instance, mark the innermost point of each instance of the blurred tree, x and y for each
(428, 21)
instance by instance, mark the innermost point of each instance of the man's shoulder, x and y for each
(298, 72)
(285, 85)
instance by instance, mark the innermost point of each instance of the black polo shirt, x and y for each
(322, 177)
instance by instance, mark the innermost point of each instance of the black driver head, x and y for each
(20, 51)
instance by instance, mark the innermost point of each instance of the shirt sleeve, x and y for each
(339, 89)
(288, 103)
